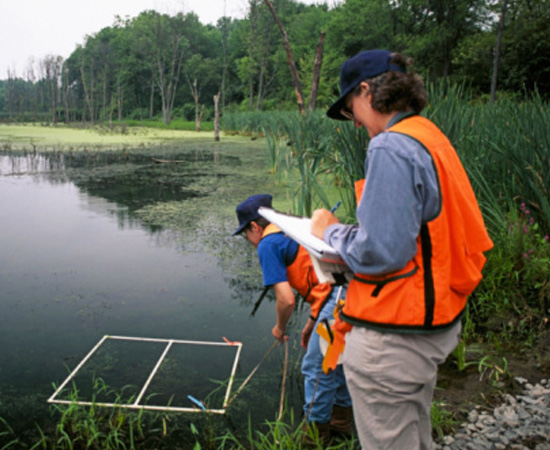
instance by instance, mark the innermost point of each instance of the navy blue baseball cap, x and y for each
(247, 211)
(364, 65)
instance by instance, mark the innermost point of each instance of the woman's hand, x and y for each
(321, 220)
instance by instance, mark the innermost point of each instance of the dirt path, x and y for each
(462, 391)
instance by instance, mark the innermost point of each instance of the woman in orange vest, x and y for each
(287, 266)
(416, 252)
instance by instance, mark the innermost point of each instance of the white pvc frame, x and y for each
(136, 404)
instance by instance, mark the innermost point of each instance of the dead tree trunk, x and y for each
(199, 119)
(66, 93)
(289, 59)
(89, 99)
(10, 88)
(195, 92)
(119, 99)
(152, 96)
(217, 116)
(316, 72)
(104, 105)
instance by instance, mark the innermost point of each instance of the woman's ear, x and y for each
(364, 88)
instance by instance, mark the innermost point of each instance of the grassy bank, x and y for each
(37, 137)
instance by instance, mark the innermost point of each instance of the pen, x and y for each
(197, 402)
(335, 207)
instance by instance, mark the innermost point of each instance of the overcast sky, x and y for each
(36, 28)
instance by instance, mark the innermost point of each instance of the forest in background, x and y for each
(166, 67)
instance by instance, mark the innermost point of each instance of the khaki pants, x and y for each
(391, 378)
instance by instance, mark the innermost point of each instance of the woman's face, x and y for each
(359, 110)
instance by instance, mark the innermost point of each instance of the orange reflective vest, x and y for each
(302, 277)
(430, 292)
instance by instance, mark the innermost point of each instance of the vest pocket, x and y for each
(380, 283)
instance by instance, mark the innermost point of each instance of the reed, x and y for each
(311, 147)
(348, 163)
(504, 147)
(8, 438)
(250, 122)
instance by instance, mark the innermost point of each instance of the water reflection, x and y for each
(31, 163)
(75, 264)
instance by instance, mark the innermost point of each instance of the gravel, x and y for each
(520, 423)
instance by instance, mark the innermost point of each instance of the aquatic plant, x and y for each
(279, 435)
(443, 420)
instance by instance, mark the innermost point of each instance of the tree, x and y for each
(217, 116)
(170, 46)
(257, 67)
(51, 67)
(87, 74)
(358, 25)
(316, 73)
(523, 61)
(31, 93)
(135, 67)
(525, 57)
(431, 30)
(222, 23)
(201, 68)
(308, 27)
(289, 58)
(497, 50)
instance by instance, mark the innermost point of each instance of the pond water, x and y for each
(76, 263)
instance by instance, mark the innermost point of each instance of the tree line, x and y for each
(157, 65)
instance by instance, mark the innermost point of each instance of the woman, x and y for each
(417, 252)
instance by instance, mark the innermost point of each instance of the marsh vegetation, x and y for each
(309, 162)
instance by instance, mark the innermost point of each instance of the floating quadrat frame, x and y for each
(137, 403)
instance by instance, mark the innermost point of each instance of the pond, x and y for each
(123, 244)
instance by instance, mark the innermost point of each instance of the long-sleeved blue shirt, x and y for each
(400, 193)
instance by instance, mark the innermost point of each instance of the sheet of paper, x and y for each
(299, 229)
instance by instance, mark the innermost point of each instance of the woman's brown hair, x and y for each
(397, 91)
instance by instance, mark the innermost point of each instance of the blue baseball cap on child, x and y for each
(364, 65)
(247, 211)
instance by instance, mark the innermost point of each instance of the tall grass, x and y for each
(95, 427)
(348, 164)
(505, 148)
(304, 153)
(251, 122)
(117, 428)
(312, 150)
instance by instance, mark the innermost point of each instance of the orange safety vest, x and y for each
(430, 292)
(302, 277)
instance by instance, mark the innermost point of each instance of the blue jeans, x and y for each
(322, 391)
